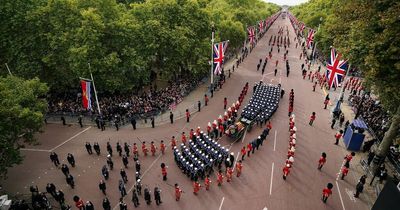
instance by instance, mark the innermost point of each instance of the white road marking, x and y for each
(340, 170)
(244, 135)
(265, 208)
(141, 177)
(350, 193)
(272, 177)
(340, 195)
(275, 140)
(70, 138)
(234, 165)
(34, 150)
(222, 202)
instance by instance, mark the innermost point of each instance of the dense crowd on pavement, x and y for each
(149, 103)
(373, 114)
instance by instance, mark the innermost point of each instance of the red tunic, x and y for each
(207, 183)
(184, 138)
(162, 147)
(326, 192)
(178, 193)
(152, 149)
(286, 171)
(322, 161)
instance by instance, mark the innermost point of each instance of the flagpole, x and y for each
(95, 92)
(341, 95)
(212, 56)
(313, 52)
(9, 71)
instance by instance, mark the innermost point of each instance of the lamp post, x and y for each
(212, 56)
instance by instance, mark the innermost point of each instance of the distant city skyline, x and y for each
(286, 2)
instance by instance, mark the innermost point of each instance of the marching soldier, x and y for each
(96, 148)
(102, 187)
(338, 136)
(183, 138)
(164, 171)
(126, 149)
(173, 142)
(109, 148)
(207, 182)
(71, 159)
(196, 187)
(144, 149)
(162, 147)
(135, 150)
(153, 148)
(322, 161)
(326, 192)
(135, 198)
(187, 115)
(171, 117)
(312, 118)
(229, 173)
(157, 195)
(125, 161)
(220, 178)
(119, 149)
(239, 167)
(178, 192)
(286, 171)
(54, 159)
(123, 175)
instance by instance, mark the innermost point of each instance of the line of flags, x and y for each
(336, 68)
(219, 49)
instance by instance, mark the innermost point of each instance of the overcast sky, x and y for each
(287, 2)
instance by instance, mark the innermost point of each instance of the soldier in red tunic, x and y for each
(183, 139)
(173, 142)
(207, 182)
(178, 192)
(162, 147)
(196, 187)
(286, 171)
(220, 178)
(239, 167)
(326, 192)
(144, 149)
(152, 148)
(312, 118)
(229, 173)
(322, 161)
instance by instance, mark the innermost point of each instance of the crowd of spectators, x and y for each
(372, 113)
(146, 104)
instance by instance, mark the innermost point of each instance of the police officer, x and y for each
(71, 159)
(125, 161)
(106, 204)
(157, 195)
(96, 148)
(109, 148)
(123, 175)
(88, 148)
(133, 122)
(135, 198)
(65, 169)
(102, 187)
(51, 189)
(147, 196)
(126, 149)
(54, 159)
(119, 149)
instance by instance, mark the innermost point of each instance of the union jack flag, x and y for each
(302, 26)
(310, 37)
(336, 69)
(251, 34)
(219, 50)
(261, 26)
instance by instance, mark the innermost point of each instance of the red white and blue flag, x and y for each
(251, 34)
(336, 69)
(302, 26)
(219, 50)
(310, 37)
(261, 26)
(86, 101)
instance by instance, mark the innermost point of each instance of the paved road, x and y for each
(261, 184)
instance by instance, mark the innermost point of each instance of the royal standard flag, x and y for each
(86, 101)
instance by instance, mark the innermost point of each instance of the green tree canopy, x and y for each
(124, 41)
(366, 33)
(22, 104)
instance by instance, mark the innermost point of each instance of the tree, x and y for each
(22, 106)
(366, 32)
